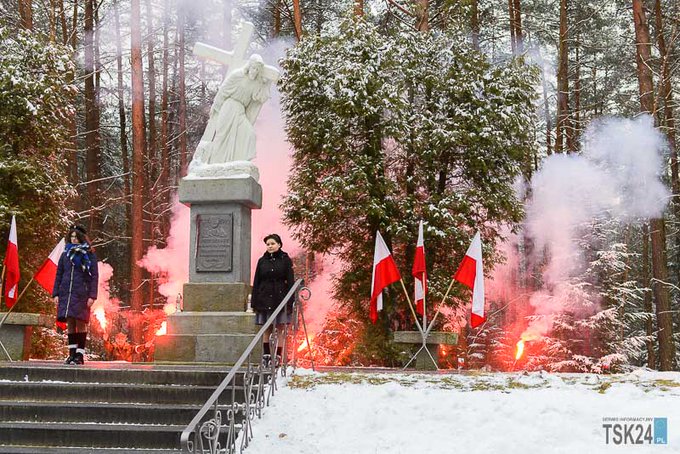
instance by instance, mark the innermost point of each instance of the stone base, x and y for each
(212, 323)
(198, 337)
(16, 332)
(434, 340)
(213, 296)
(423, 360)
(203, 348)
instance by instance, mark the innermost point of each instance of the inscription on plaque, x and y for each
(214, 240)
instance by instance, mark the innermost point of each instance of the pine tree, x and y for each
(391, 128)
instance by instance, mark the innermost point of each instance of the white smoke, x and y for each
(617, 176)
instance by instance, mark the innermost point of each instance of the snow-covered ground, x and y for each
(523, 413)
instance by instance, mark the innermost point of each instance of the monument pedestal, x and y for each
(434, 340)
(15, 333)
(213, 326)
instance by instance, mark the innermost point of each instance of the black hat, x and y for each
(274, 237)
(78, 228)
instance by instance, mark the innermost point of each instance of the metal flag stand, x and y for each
(303, 295)
(423, 333)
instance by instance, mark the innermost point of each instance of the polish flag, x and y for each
(48, 270)
(385, 272)
(11, 265)
(471, 273)
(419, 272)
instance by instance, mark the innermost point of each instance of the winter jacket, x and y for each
(74, 286)
(273, 279)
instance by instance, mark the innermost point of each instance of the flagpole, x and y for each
(424, 305)
(429, 328)
(410, 305)
(2, 281)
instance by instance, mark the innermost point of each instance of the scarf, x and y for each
(79, 256)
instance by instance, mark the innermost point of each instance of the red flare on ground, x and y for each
(163, 330)
(520, 349)
(304, 345)
(100, 315)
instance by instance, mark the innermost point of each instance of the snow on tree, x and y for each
(36, 102)
(391, 128)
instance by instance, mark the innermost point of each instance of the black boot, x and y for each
(266, 355)
(80, 351)
(72, 345)
(279, 356)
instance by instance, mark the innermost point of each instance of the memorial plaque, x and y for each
(214, 242)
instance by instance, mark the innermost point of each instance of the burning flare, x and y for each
(101, 316)
(520, 349)
(163, 330)
(304, 344)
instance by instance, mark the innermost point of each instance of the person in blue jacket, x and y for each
(75, 290)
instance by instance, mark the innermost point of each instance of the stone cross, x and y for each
(232, 60)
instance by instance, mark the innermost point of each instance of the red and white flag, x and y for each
(419, 272)
(11, 265)
(471, 273)
(385, 272)
(48, 270)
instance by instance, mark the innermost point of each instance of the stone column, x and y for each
(213, 326)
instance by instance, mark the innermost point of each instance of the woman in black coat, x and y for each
(75, 290)
(274, 277)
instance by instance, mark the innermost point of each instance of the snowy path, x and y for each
(364, 413)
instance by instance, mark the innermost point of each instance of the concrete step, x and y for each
(100, 435)
(49, 407)
(103, 372)
(136, 413)
(5, 449)
(208, 348)
(104, 392)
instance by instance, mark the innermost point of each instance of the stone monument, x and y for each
(221, 188)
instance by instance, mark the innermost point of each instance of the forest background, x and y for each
(102, 104)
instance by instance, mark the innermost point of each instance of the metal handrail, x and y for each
(208, 432)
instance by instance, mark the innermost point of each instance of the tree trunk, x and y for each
(138, 152)
(123, 122)
(562, 82)
(62, 21)
(573, 136)
(511, 16)
(359, 8)
(52, 16)
(474, 24)
(297, 19)
(546, 106)
(92, 139)
(26, 14)
(422, 15)
(277, 19)
(649, 323)
(519, 38)
(182, 113)
(151, 149)
(657, 225)
(668, 117)
(164, 176)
